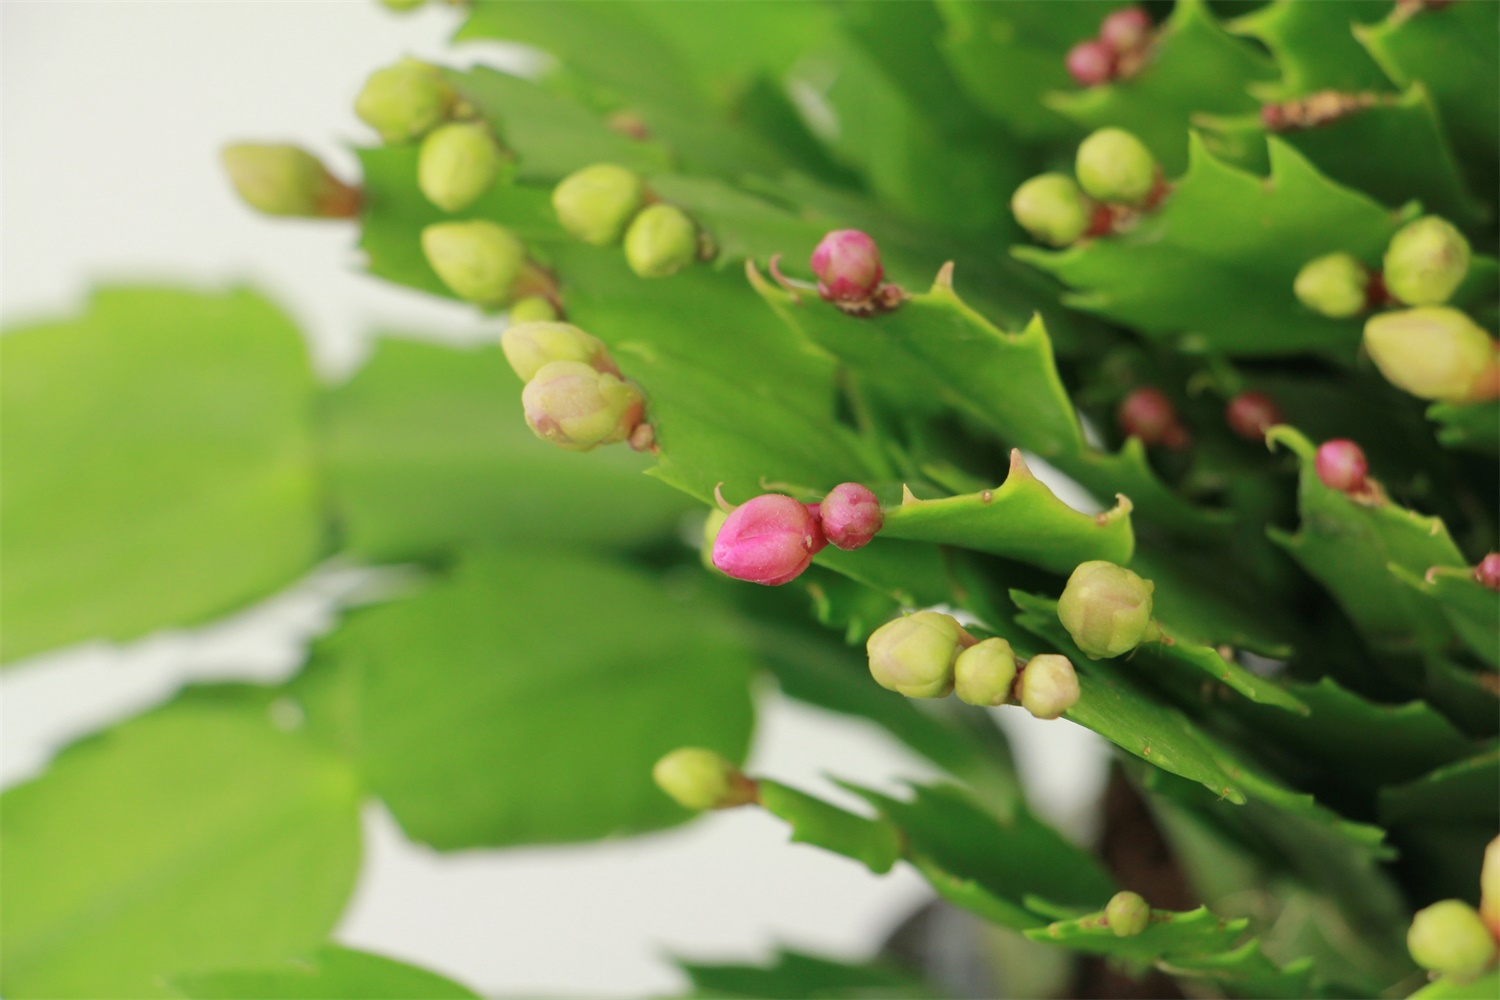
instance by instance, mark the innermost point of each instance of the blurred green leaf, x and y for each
(201, 836)
(1470, 607)
(1195, 932)
(1448, 988)
(330, 973)
(426, 449)
(874, 843)
(1475, 426)
(525, 699)
(1461, 791)
(796, 976)
(1247, 972)
(1314, 46)
(157, 465)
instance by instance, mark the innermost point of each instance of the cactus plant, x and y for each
(1246, 304)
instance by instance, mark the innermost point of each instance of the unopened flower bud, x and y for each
(1106, 609)
(578, 408)
(1115, 166)
(533, 309)
(985, 673)
(405, 101)
(1091, 63)
(1251, 414)
(1341, 465)
(1488, 573)
(1489, 875)
(530, 347)
(711, 527)
(1448, 937)
(851, 515)
(769, 539)
(1433, 353)
(1052, 209)
(1148, 414)
(1426, 262)
(1334, 285)
(1127, 914)
(913, 655)
(458, 163)
(661, 241)
(1048, 686)
(1126, 30)
(700, 779)
(287, 180)
(478, 260)
(596, 203)
(847, 263)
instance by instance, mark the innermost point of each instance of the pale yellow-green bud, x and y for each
(1433, 353)
(711, 526)
(478, 260)
(1426, 262)
(1048, 686)
(984, 673)
(405, 101)
(1489, 888)
(529, 347)
(596, 203)
(1114, 166)
(1448, 937)
(701, 779)
(1334, 285)
(279, 179)
(1052, 209)
(458, 163)
(1106, 609)
(1127, 914)
(576, 407)
(914, 655)
(533, 309)
(661, 241)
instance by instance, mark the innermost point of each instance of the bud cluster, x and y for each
(772, 538)
(605, 203)
(1148, 414)
(1117, 179)
(927, 654)
(1121, 48)
(575, 396)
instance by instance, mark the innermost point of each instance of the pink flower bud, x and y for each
(847, 264)
(770, 539)
(1149, 415)
(1341, 465)
(1091, 63)
(1488, 573)
(1251, 414)
(1126, 30)
(850, 515)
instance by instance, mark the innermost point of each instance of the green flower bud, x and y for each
(1106, 609)
(661, 241)
(1115, 166)
(1048, 686)
(1127, 914)
(533, 309)
(1433, 353)
(1335, 285)
(984, 673)
(1449, 937)
(711, 526)
(405, 101)
(914, 655)
(578, 408)
(287, 180)
(596, 203)
(1052, 209)
(1426, 262)
(478, 260)
(701, 779)
(458, 163)
(529, 347)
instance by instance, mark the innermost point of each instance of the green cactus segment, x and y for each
(1455, 54)
(991, 863)
(1314, 46)
(330, 971)
(1227, 235)
(1021, 519)
(1348, 546)
(1198, 69)
(1473, 427)
(1457, 793)
(1470, 607)
(1486, 987)
(874, 843)
(1246, 971)
(1169, 935)
(794, 974)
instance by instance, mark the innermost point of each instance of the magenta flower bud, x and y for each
(1126, 29)
(1091, 63)
(770, 539)
(850, 515)
(1341, 465)
(1251, 414)
(1488, 573)
(847, 264)
(1149, 415)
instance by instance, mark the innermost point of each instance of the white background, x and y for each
(111, 115)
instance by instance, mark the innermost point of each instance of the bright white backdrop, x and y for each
(111, 115)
